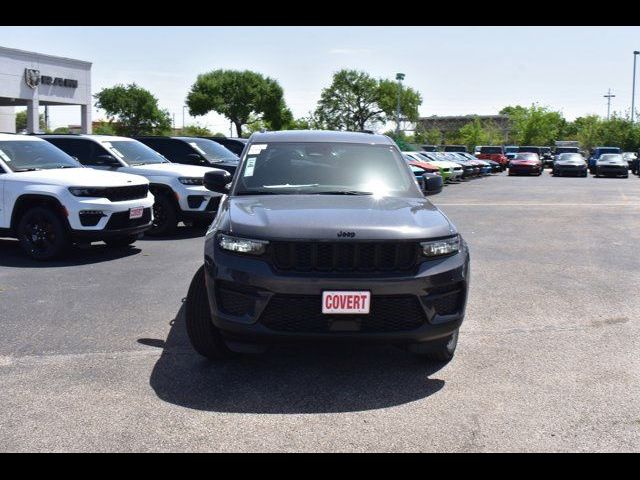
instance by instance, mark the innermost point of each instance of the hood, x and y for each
(525, 162)
(169, 170)
(79, 177)
(600, 161)
(570, 162)
(321, 217)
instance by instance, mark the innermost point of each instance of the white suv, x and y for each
(178, 189)
(48, 200)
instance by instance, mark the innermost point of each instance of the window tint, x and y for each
(174, 150)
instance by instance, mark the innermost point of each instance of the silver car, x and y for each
(612, 164)
(570, 164)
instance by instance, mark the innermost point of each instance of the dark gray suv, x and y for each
(326, 236)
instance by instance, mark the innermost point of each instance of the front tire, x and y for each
(203, 335)
(42, 233)
(165, 216)
(121, 242)
(441, 350)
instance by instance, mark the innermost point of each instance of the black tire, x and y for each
(42, 233)
(203, 335)
(121, 242)
(165, 215)
(441, 350)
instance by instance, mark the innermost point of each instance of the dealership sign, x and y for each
(33, 78)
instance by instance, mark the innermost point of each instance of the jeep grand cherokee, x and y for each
(326, 236)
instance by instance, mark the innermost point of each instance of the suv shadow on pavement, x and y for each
(326, 378)
(11, 255)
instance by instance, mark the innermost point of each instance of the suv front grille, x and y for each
(121, 194)
(303, 314)
(358, 257)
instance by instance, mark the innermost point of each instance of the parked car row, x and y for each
(59, 190)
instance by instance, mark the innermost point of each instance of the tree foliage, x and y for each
(356, 101)
(535, 125)
(241, 96)
(21, 121)
(196, 131)
(134, 109)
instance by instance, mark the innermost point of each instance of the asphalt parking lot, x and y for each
(94, 354)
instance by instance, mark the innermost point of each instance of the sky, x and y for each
(457, 70)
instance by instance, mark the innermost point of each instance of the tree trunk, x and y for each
(238, 128)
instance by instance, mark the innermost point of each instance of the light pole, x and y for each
(399, 78)
(183, 107)
(608, 96)
(633, 85)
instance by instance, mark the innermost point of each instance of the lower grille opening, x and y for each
(121, 220)
(446, 300)
(303, 314)
(234, 301)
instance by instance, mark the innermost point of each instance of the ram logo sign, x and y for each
(32, 77)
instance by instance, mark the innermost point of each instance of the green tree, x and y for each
(355, 101)
(21, 121)
(241, 96)
(535, 125)
(104, 128)
(196, 131)
(134, 109)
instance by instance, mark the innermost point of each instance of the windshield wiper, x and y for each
(32, 169)
(343, 192)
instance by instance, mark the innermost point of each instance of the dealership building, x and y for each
(34, 80)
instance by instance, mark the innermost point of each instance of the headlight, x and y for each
(191, 180)
(437, 248)
(86, 192)
(242, 245)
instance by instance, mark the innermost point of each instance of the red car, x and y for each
(495, 153)
(428, 167)
(525, 163)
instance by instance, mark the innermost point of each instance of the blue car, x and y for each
(596, 153)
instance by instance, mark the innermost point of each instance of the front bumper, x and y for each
(611, 170)
(265, 306)
(570, 169)
(118, 225)
(524, 169)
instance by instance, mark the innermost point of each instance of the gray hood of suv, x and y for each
(322, 217)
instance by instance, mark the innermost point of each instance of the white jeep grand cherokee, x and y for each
(49, 201)
(178, 189)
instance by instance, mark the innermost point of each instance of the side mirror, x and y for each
(432, 183)
(217, 181)
(106, 161)
(195, 159)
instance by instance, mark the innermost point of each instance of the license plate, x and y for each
(346, 302)
(136, 213)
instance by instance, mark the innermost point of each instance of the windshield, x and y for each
(611, 157)
(510, 149)
(212, 151)
(24, 156)
(602, 151)
(529, 149)
(324, 168)
(134, 153)
(491, 150)
(560, 150)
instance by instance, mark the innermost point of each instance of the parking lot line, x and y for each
(526, 204)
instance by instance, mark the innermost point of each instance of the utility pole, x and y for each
(399, 78)
(633, 85)
(183, 107)
(608, 96)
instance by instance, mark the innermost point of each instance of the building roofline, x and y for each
(43, 55)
